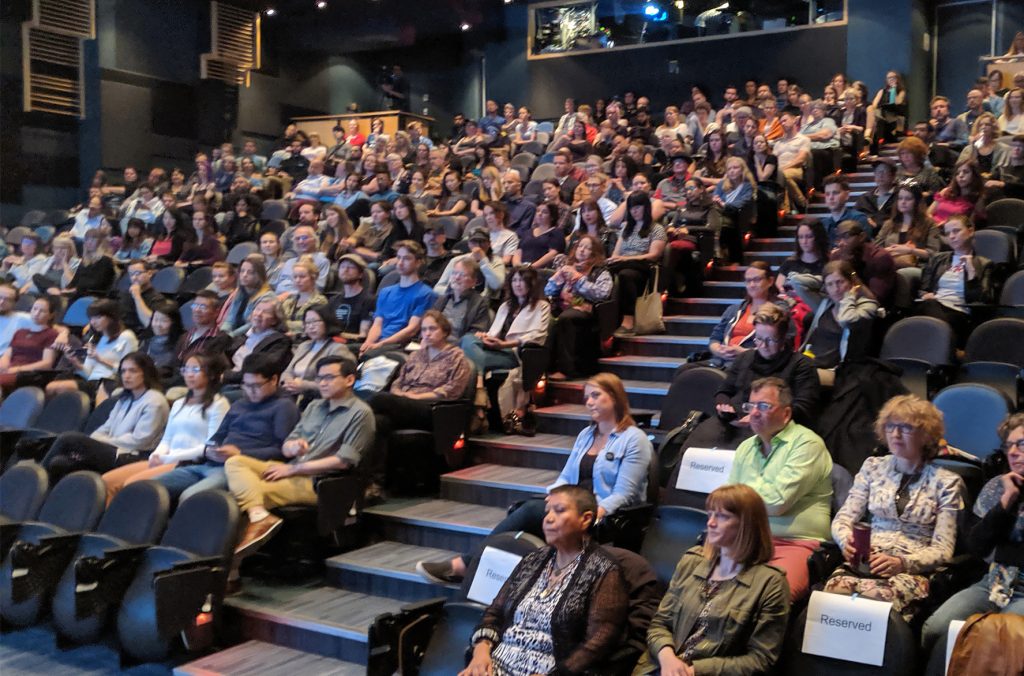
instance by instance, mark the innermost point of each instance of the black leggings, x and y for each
(73, 451)
(391, 412)
(571, 355)
(633, 276)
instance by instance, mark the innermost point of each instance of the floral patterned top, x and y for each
(708, 592)
(1004, 577)
(923, 534)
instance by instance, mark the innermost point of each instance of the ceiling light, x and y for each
(321, 4)
(464, 26)
(270, 11)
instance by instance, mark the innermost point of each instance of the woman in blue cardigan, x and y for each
(611, 457)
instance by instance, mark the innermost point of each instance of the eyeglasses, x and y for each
(1009, 445)
(754, 280)
(190, 370)
(327, 377)
(905, 429)
(312, 322)
(762, 406)
(254, 387)
(766, 341)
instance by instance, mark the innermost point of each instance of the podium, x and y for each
(393, 121)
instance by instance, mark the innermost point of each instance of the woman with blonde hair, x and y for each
(911, 506)
(986, 149)
(729, 197)
(490, 190)
(1012, 119)
(726, 609)
(60, 266)
(306, 295)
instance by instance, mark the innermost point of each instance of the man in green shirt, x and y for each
(790, 468)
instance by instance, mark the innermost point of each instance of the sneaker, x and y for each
(438, 572)
(625, 332)
(258, 534)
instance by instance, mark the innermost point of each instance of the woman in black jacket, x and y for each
(956, 279)
(571, 592)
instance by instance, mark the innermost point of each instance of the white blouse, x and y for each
(189, 428)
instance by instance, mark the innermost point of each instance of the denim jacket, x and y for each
(620, 469)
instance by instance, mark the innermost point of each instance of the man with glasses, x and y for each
(305, 243)
(790, 468)
(138, 301)
(461, 303)
(872, 263)
(11, 320)
(353, 307)
(837, 192)
(205, 337)
(255, 425)
(334, 434)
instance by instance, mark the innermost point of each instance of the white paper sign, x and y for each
(954, 631)
(846, 628)
(702, 470)
(494, 568)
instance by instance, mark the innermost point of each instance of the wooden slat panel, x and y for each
(266, 659)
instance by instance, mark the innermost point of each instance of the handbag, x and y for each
(648, 314)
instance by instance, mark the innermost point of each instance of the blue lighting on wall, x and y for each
(654, 12)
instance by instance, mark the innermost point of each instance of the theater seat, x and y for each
(184, 575)
(136, 516)
(671, 532)
(972, 413)
(922, 347)
(72, 508)
(437, 631)
(22, 492)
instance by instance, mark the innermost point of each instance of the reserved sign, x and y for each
(702, 470)
(494, 568)
(954, 632)
(846, 628)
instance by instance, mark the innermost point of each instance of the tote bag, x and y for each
(649, 309)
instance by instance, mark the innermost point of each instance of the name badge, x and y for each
(702, 470)
(846, 628)
(494, 568)
(954, 632)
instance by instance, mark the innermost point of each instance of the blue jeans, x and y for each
(184, 482)
(486, 359)
(960, 606)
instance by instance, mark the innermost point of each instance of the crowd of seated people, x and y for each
(425, 258)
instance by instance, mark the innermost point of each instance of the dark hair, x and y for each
(214, 366)
(445, 193)
(533, 285)
(552, 210)
(441, 320)
(593, 206)
(773, 291)
(821, 245)
(414, 216)
(150, 374)
(261, 364)
(637, 199)
(52, 302)
(582, 499)
(112, 311)
(977, 182)
(128, 242)
(836, 179)
(627, 162)
(499, 209)
(331, 327)
(347, 366)
(170, 309)
(413, 247)
(920, 223)
(207, 294)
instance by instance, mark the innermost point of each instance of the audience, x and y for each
(726, 608)
(911, 506)
(107, 342)
(333, 435)
(788, 465)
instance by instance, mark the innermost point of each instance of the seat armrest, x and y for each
(823, 561)
(339, 498)
(35, 566)
(100, 582)
(450, 419)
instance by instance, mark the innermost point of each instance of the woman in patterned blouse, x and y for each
(913, 507)
(564, 607)
(726, 609)
(999, 533)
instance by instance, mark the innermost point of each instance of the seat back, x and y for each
(692, 390)
(1004, 377)
(25, 302)
(972, 413)
(671, 532)
(99, 415)
(15, 235)
(137, 514)
(999, 340)
(22, 491)
(206, 524)
(76, 316)
(535, 148)
(240, 251)
(168, 280)
(520, 544)
(76, 503)
(543, 172)
(1012, 294)
(196, 281)
(187, 321)
(21, 408)
(273, 210)
(924, 338)
(996, 246)
(66, 412)
(842, 482)
(1007, 211)
(446, 651)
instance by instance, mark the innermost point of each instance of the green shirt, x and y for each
(345, 431)
(795, 481)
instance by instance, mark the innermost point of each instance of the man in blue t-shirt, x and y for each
(400, 307)
(837, 192)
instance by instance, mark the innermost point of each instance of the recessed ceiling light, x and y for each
(270, 11)
(321, 4)
(464, 26)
